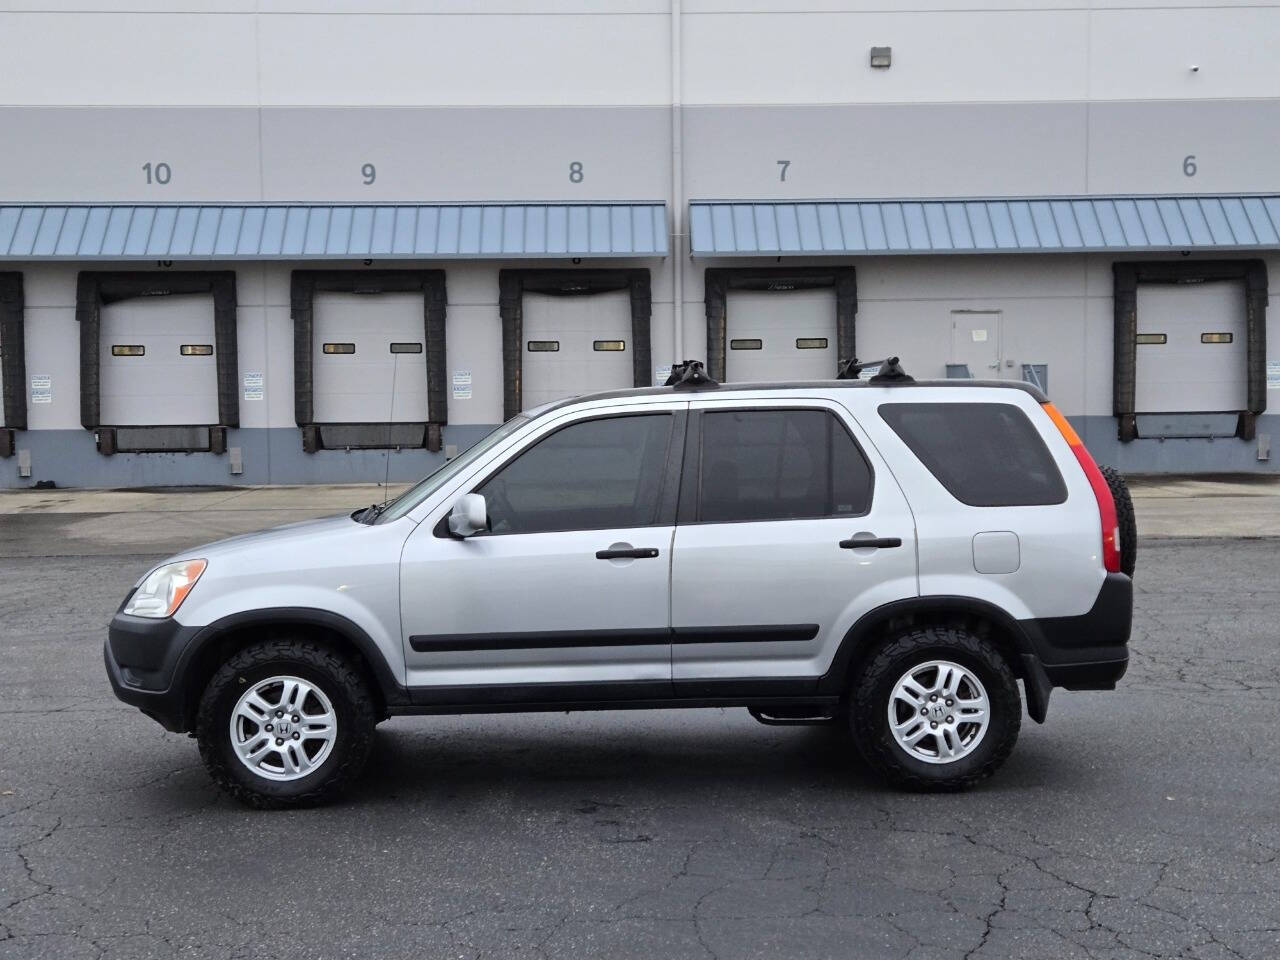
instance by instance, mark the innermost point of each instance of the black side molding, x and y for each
(765, 633)
(538, 640)
(559, 639)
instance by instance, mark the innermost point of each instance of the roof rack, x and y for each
(890, 370)
(690, 375)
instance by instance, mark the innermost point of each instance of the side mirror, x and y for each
(469, 516)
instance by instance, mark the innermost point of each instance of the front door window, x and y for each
(592, 475)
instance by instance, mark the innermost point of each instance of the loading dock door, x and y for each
(157, 361)
(369, 359)
(575, 345)
(1191, 348)
(780, 335)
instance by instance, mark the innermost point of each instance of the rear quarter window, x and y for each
(984, 454)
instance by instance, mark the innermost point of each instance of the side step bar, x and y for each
(814, 716)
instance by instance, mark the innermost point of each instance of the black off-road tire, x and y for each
(873, 686)
(342, 681)
(1125, 519)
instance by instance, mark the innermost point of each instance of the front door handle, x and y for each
(865, 542)
(627, 553)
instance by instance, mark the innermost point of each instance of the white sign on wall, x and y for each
(41, 381)
(1273, 374)
(42, 396)
(461, 384)
(253, 386)
(660, 374)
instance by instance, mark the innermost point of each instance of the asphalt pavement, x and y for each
(1136, 823)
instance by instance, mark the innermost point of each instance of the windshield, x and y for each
(402, 504)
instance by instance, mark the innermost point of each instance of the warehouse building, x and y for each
(297, 241)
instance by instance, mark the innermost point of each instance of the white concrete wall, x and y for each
(611, 52)
(493, 100)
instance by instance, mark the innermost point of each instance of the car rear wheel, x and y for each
(935, 708)
(285, 723)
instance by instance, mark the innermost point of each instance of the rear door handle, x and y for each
(630, 553)
(864, 543)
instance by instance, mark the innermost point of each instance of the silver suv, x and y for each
(887, 555)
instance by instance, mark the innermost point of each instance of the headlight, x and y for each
(164, 589)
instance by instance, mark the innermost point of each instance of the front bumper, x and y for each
(142, 658)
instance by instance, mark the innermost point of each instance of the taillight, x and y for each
(1101, 492)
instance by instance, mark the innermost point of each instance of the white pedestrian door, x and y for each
(780, 335)
(575, 345)
(1192, 355)
(975, 342)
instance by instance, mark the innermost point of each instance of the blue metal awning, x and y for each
(332, 232)
(1030, 225)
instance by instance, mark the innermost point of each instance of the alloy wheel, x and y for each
(939, 712)
(283, 728)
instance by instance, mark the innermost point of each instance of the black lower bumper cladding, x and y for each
(1091, 651)
(142, 657)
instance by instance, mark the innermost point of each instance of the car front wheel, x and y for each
(935, 708)
(285, 723)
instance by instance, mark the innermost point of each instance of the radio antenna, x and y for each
(391, 415)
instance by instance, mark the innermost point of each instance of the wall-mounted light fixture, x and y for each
(881, 57)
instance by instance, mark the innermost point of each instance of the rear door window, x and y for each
(985, 454)
(779, 465)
